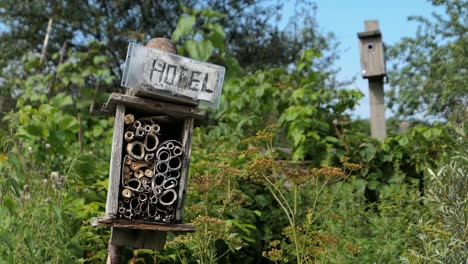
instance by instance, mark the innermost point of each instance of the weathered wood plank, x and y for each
(149, 239)
(142, 225)
(377, 106)
(153, 107)
(115, 162)
(114, 253)
(183, 100)
(186, 140)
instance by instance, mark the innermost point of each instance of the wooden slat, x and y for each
(186, 141)
(169, 97)
(142, 225)
(153, 107)
(115, 162)
(148, 239)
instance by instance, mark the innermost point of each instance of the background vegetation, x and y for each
(287, 175)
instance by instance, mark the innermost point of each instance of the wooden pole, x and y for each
(377, 107)
(115, 254)
(373, 69)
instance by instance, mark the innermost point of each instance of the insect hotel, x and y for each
(151, 142)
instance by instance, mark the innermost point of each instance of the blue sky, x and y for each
(346, 17)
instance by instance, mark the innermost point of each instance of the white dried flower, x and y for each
(54, 176)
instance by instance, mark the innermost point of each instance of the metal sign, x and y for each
(170, 75)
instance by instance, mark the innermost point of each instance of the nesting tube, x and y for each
(138, 165)
(149, 157)
(140, 132)
(142, 197)
(173, 174)
(163, 154)
(162, 167)
(170, 183)
(126, 170)
(139, 173)
(136, 150)
(127, 193)
(129, 135)
(151, 142)
(155, 128)
(148, 173)
(137, 124)
(174, 163)
(129, 119)
(157, 181)
(177, 151)
(133, 184)
(168, 197)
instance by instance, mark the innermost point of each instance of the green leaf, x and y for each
(403, 141)
(216, 36)
(368, 153)
(34, 130)
(61, 100)
(68, 123)
(360, 185)
(99, 59)
(45, 109)
(29, 244)
(10, 205)
(184, 27)
(372, 184)
(199, 50)
(58, 213)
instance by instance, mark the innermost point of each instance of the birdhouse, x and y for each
(151, 144)
(372, 51)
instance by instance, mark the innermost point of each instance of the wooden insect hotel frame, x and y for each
(151, 144)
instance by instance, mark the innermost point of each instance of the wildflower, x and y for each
(54, 176)
(262, 167)
(47, 146)
(350, 166)
(203, 182)
(329, 173)
(352, 248)
(297, 176)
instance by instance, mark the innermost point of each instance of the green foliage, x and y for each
(295, 188)
(443, 237)
(368, 233)
(412, 153)
(55, 163)
(286, 196)
(301, 101)
(429, 73)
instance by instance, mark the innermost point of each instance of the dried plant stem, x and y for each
(46, 41)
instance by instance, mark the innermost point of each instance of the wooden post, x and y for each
(377, 107)
(373, 69)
